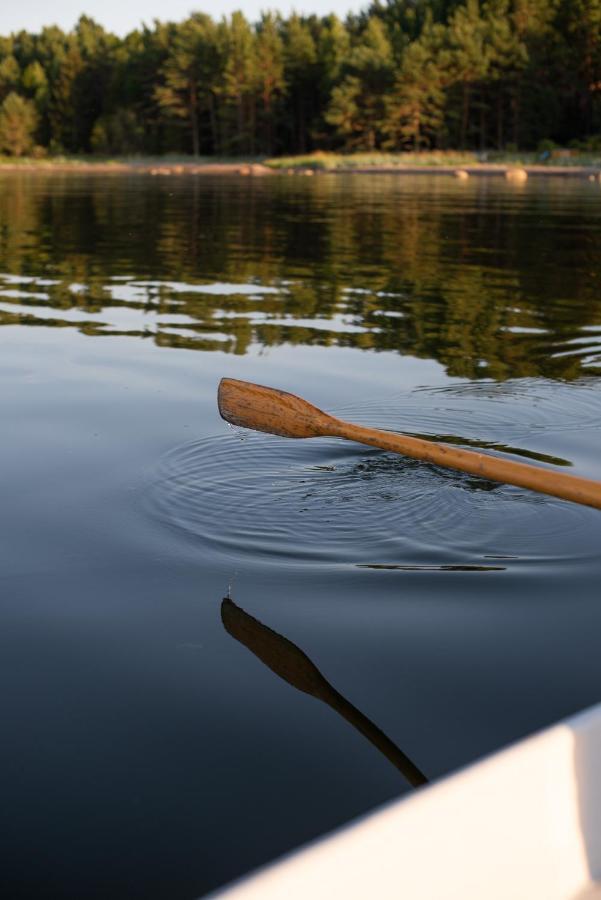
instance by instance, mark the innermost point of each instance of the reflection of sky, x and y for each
(136, 306)
(121, 18)
(197, 315)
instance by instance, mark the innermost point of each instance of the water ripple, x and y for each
(326, 502)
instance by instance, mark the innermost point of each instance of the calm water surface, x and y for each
(149, 747)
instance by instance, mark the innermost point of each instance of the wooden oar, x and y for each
(290, 663)
(278, 412)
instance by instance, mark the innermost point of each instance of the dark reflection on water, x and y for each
(144, 752)
(290, 663)
(492, 281)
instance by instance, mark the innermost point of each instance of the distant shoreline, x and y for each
(168, 168)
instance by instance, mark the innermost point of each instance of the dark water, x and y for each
(149, 748)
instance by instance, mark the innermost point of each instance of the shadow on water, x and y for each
(458, 568)
(456, 440)
(292, 665)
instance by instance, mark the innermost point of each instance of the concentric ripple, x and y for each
(324, 501)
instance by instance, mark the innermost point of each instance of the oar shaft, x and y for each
(277, 412)
(557, 484)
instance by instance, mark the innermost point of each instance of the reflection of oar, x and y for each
(277, 412)
(290, 663)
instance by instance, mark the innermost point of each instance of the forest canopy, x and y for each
(403, 74)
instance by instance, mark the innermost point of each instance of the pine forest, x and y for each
(402, 75)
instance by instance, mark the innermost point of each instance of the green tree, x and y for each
(189, 76)
(118, 132)
(138, 64)
(35, 83)
(508, 59)
(580, 22)
(10, 75)
(534, 94)
(358, 105)
(269, 74)
(238, 81)
(91, 86)
(18, 122)
(63, 114)
(468, 58)
(300, 68)
(332, 51)
(415, 106)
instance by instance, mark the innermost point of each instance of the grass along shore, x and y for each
(446, 162)
(324, 161)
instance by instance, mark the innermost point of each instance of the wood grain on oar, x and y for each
(267, 409)
(290, 663)
(278, 412)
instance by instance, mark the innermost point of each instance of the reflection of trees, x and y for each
(496, 283)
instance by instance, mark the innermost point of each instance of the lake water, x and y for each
(157, 741)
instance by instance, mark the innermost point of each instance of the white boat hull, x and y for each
(520, 825)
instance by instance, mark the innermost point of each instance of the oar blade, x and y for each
(268, 409)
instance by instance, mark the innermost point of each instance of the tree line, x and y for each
(403, 74)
